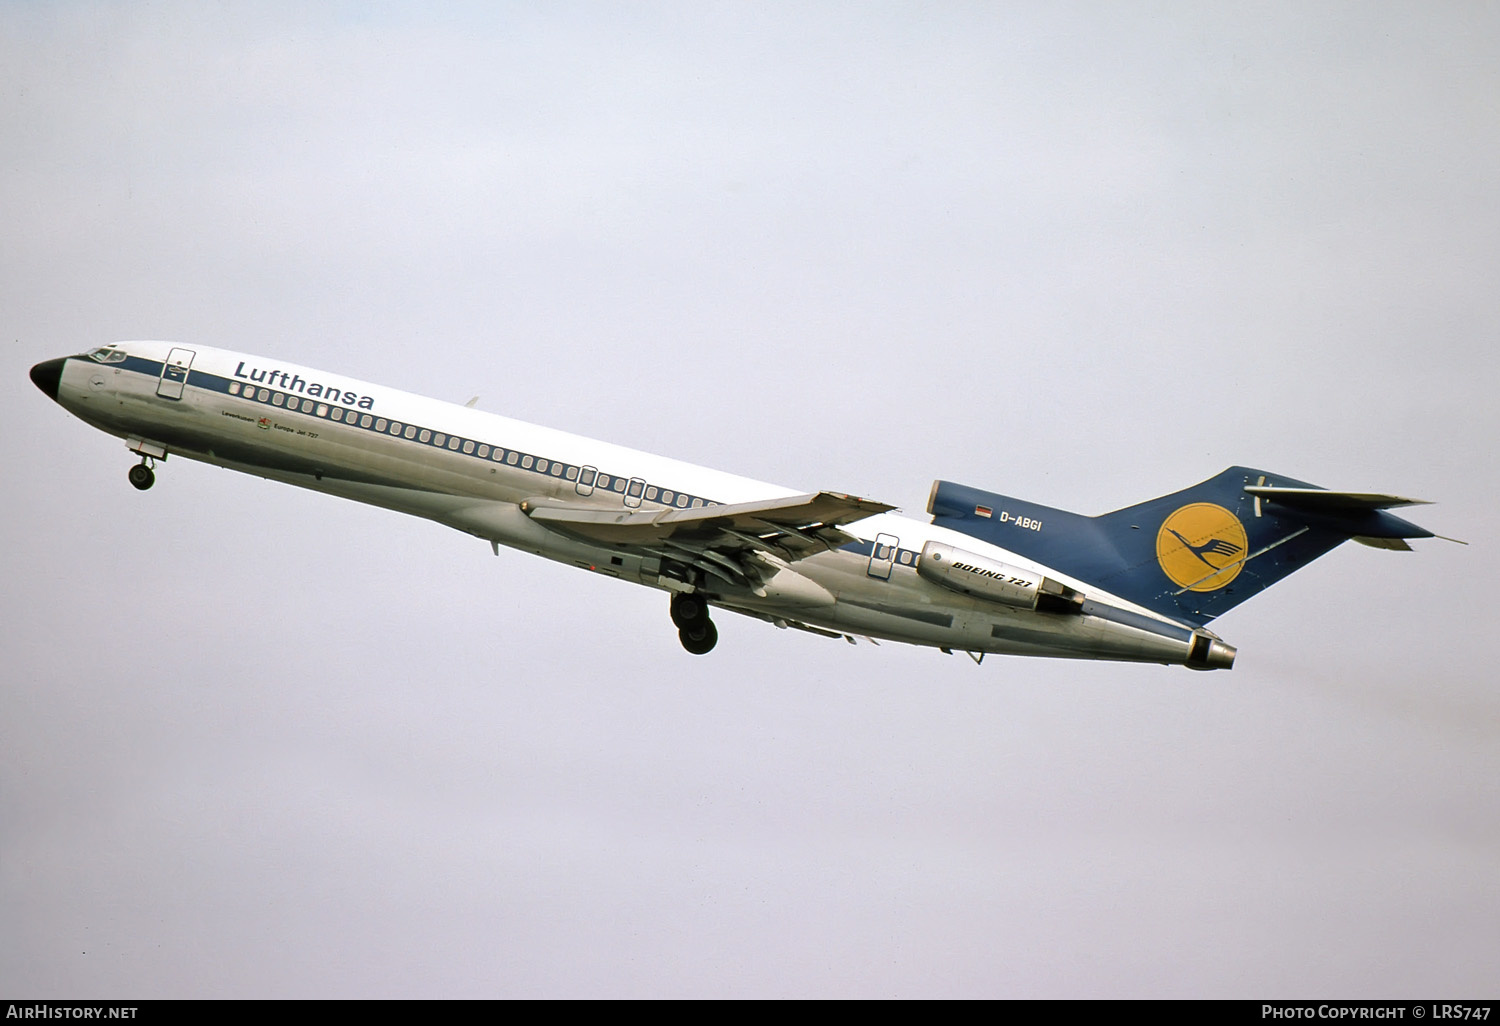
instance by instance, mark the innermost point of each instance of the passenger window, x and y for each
(411, 432)
(541, 466)
(234, 388)
(453, 443)
(439, 438)
(484, 452)
(380, 424)
(425, 436)
(322, 409)
(510, 457)
(366, 421)
(263, 395)
(277, 399)
(526, 462)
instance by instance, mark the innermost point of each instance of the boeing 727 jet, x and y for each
(988, 574)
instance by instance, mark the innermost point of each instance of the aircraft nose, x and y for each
(47, 375)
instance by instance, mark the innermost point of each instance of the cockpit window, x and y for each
(106, 354)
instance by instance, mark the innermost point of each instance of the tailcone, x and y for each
(1209, 653)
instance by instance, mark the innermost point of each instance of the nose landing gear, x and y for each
(141, 475)
(694, 629)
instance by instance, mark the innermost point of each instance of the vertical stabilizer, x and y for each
(1192, 555)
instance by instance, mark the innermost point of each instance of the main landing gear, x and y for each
(141, 475)
(694, 629)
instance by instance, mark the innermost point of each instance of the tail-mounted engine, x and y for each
(998, 582)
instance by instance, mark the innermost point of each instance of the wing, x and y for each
(741, 543)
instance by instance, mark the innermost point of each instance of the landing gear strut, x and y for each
(141, 475)
(694, 629)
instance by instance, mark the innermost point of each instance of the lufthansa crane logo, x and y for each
(1201, 547)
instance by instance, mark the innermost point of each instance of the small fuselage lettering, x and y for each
(1023, 522)
(1019, 582)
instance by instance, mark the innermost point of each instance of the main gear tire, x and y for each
(699, 640)
(688, 610)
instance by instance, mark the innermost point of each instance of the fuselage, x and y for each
(480, 472)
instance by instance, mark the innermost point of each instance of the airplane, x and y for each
(988, 574)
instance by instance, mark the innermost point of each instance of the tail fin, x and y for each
(1192, 555)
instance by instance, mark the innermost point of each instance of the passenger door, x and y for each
(174, 374)
(883, 556)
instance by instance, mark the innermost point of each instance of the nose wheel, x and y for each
(694, 629)
(142, 476)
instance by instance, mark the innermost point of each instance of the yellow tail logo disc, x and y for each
(1201, 547)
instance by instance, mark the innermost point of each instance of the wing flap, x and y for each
(791, 526)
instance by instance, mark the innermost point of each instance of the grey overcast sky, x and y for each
(258, 742)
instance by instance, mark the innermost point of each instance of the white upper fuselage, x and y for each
(474, 470)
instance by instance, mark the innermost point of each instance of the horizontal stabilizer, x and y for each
(1320, 500)
(1394, 544)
